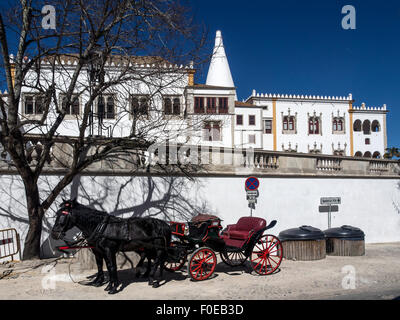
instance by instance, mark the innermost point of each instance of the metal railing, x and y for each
(9, 243)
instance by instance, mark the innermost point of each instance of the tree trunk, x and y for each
(35, 212)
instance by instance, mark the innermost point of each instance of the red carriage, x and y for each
(202, 238)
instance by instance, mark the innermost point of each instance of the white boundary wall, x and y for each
(370, 204)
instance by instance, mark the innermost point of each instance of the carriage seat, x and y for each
(244, 228)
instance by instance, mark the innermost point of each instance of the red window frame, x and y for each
(268, 130)
(222, 105)
(198, 104)
(211, 105)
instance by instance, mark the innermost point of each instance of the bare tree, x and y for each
(99, 49)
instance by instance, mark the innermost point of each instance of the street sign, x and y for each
(252, 184)
(327, 208)
(330, 200)
(252, 193)
(327, 205)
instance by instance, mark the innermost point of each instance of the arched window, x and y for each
(375, 126)
(313, 125)
(366, 127)
(376, 155)
(358, 154)
(288, 123)
(357, 125)
(367, 154)
(340, 125)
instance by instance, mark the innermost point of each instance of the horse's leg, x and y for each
(111, 262)
(139, 265)
(99, 280)
(146, 274)
(158, 263)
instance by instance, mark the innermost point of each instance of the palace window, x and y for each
(252, 138)
(239, 119)
(366, 127)
(212, 131)
(338, 125)
(357, 125)
(288, 124)
(268, 126)
(376, 155)
(198, 105)
(252, 120)
(140, 105)
(314, 125)
(222, 105)
(367, 141)
(172, 105)
(34, 104)
(375, 126)
(73, 107)
(211, 105)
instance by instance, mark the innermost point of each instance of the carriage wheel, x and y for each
(175, 266)
(267, 255)
(233, 259)
(202, 264)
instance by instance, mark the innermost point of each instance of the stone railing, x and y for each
(200, 160)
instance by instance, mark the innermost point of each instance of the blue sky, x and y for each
(300, 47)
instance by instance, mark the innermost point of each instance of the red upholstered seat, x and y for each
(245, 227)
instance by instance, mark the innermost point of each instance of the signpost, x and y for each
(251, 186)
(329, 204)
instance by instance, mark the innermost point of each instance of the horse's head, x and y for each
(64, 219)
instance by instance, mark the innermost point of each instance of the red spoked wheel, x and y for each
(267, 255)
(202, 264)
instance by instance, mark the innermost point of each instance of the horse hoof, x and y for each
(113, 291)
(156, 284)
(150, 283)
(108, 288)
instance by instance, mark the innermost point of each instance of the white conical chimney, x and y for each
(219, 73)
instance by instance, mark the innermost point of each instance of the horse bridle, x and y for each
(65, 217)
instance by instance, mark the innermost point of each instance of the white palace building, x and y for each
(209, 114)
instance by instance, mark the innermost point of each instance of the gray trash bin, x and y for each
(303, 243)
(345, 241)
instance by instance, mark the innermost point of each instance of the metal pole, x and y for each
(329, 217)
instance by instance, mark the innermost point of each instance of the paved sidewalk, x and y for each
(373, 276)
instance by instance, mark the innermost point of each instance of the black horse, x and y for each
(108, 235)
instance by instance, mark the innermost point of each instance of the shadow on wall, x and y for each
(396, 199)
(167, 198)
